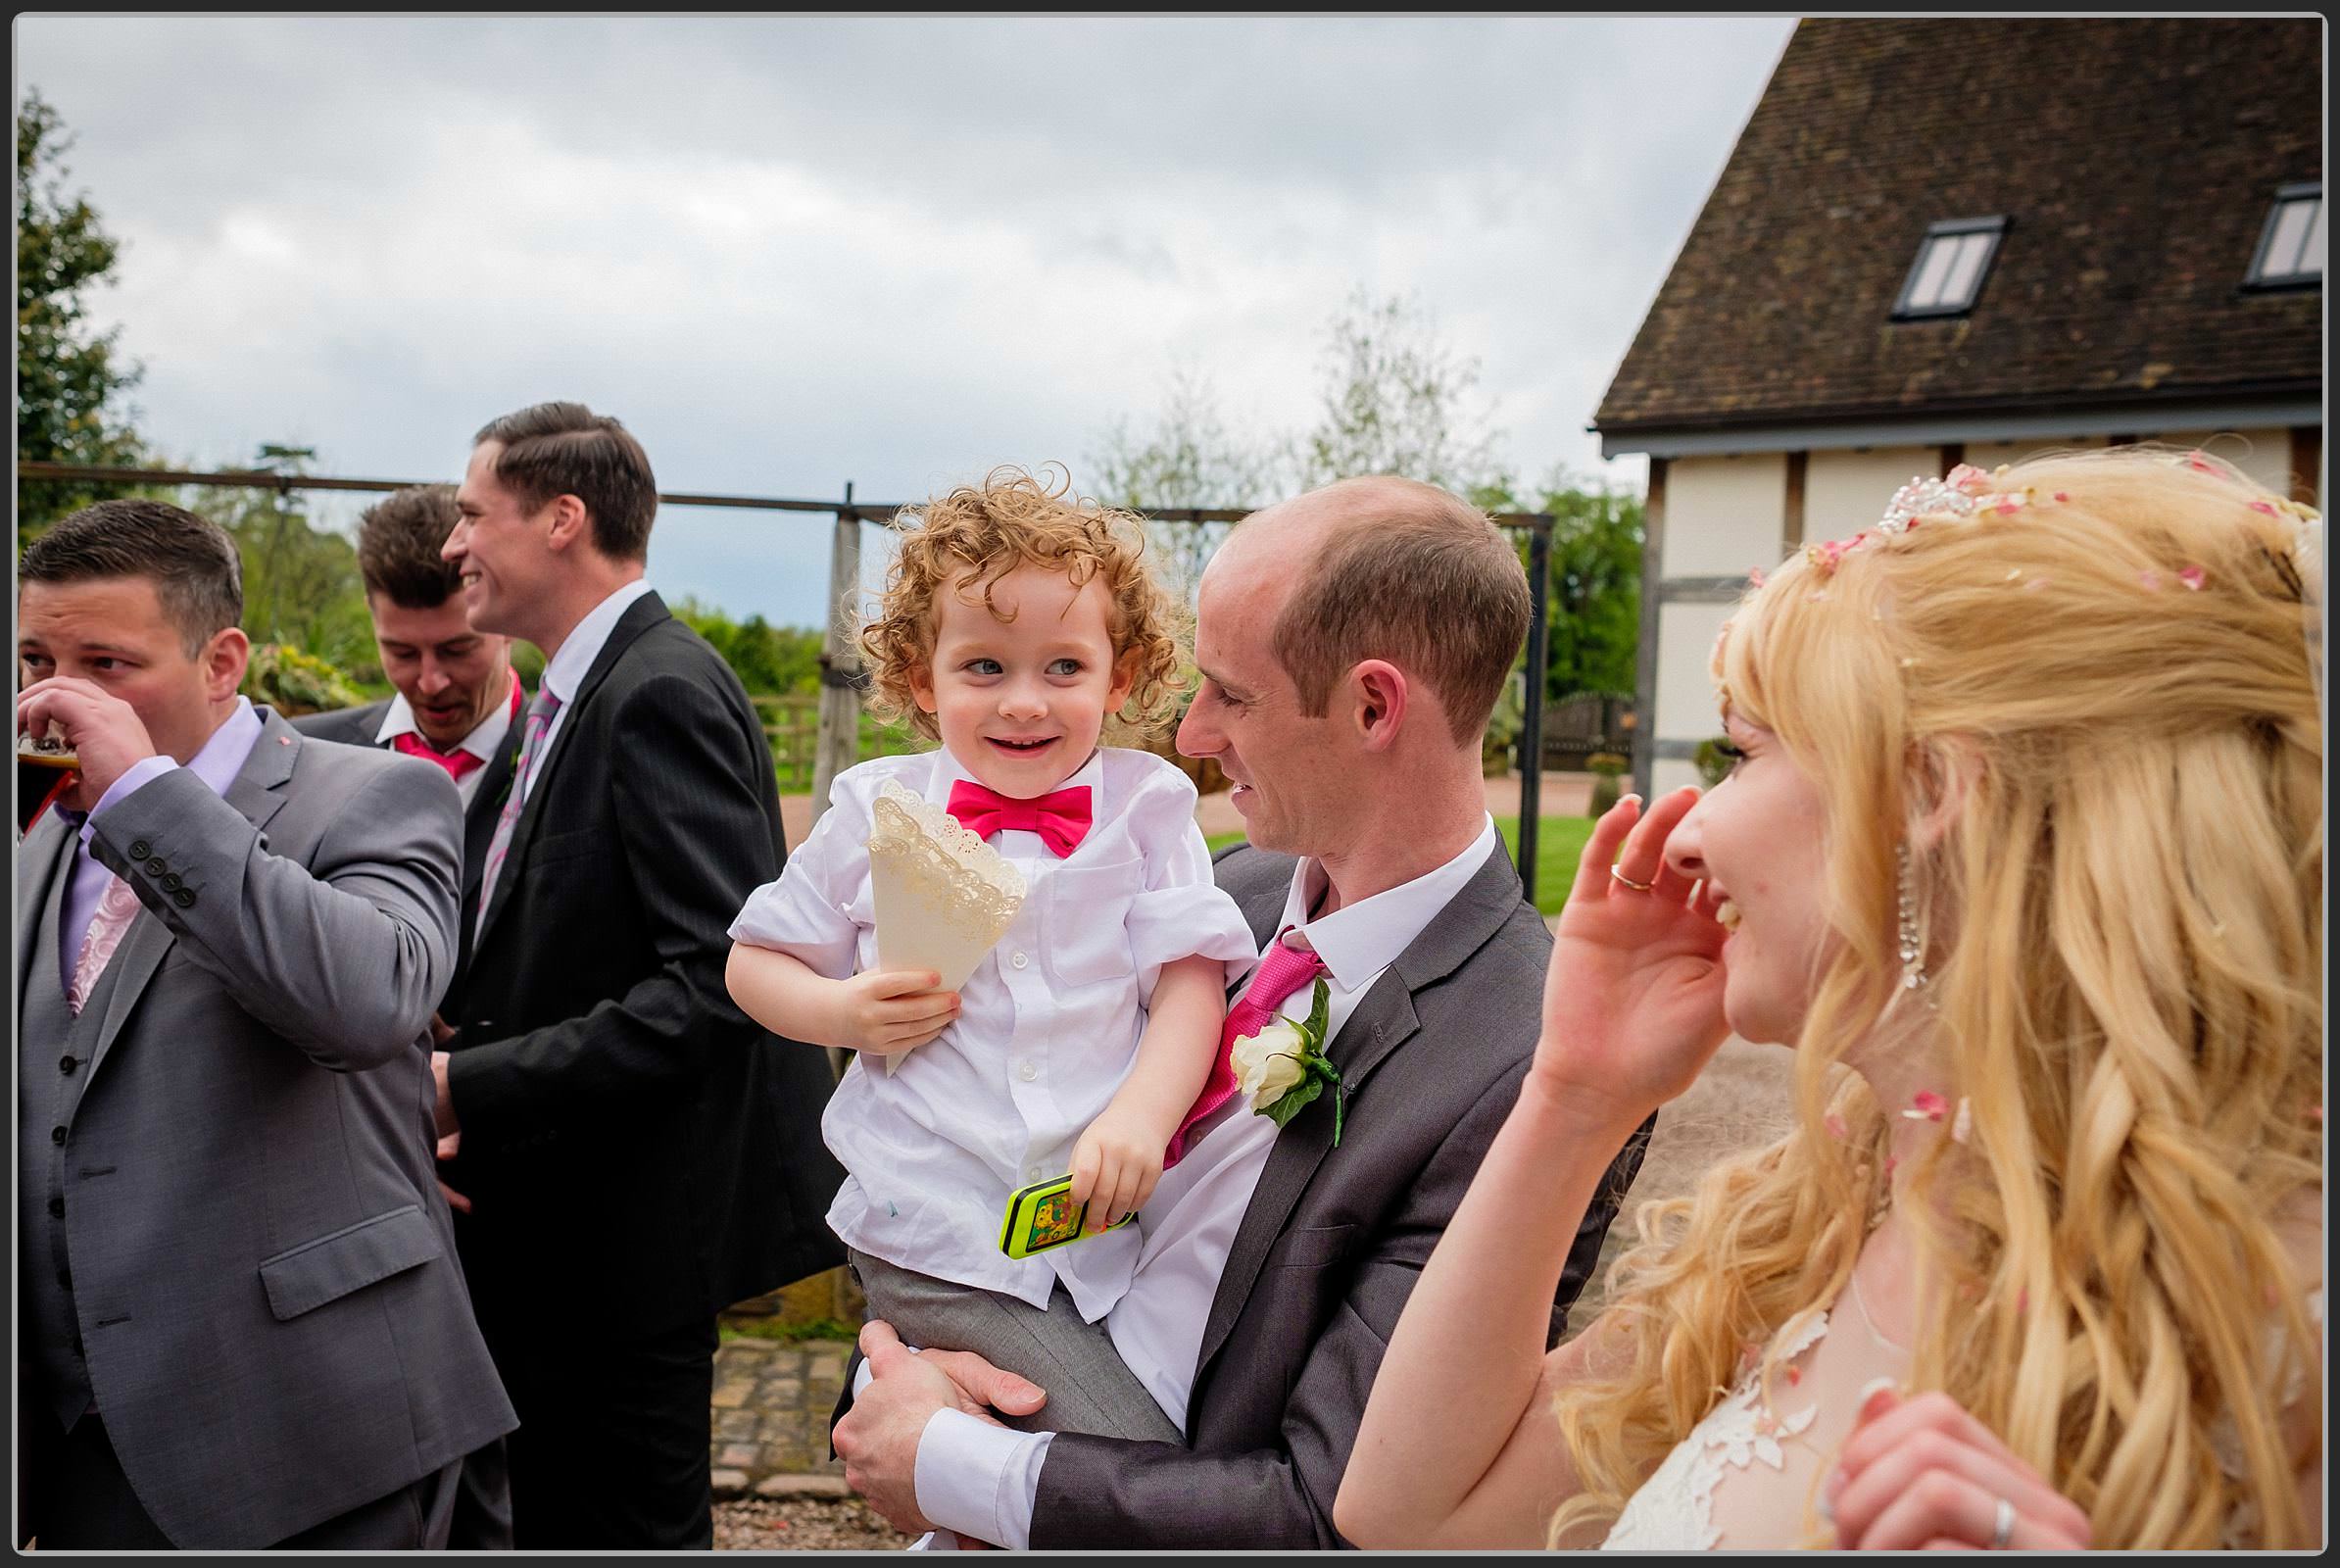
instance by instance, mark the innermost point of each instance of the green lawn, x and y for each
(1559, 842)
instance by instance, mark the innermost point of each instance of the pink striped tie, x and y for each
(117, 907)
(1283, 969)
(532, 739)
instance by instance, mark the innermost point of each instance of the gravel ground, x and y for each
(803, 1524)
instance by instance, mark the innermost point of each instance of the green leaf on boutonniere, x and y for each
(1316, 1071)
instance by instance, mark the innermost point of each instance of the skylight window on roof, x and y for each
(1948, 273)
(2291, 245)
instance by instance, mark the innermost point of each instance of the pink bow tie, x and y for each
(1061, 819)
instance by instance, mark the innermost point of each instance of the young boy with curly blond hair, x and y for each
(1017, 621)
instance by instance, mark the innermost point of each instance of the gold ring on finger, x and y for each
(1638, 887)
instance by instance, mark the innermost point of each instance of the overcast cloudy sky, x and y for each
(793, 251)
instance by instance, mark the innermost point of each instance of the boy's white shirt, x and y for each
(1049, 1023)
(983, 1479)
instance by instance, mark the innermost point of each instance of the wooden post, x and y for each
(837, 747)
(1645, 656)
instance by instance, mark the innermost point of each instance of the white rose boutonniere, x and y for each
(1282, 1067)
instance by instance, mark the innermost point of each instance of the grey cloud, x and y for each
(790, 251)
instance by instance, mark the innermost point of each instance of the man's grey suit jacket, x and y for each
(358, 726)
(264, 1274)
(1335, 1239)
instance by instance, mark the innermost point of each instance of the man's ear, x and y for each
(225, 658)
(571, 526)
(1943, 772)
(1377, 694)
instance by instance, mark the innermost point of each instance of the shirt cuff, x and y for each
(978, 1479)
(140, 773)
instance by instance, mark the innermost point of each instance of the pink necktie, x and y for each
(1283, 969)
(117, 907)
(532, 739)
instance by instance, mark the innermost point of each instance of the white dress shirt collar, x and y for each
(567, 669)
(1359, 940)
(482, 743)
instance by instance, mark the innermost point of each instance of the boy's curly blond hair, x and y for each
(984, 533)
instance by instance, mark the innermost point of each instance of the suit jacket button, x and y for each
(171, 882)
(67, 1064)
(141, 849)
(184, 898)
(57, 1209)
(157, 866)
(56, 1135)
(65, 1278)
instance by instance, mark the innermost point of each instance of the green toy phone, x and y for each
(1043, 1216)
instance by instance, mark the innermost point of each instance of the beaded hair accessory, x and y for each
(1963, 493)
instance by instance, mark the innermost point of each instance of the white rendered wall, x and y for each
(1845, 492)
(1686, 700)
(1666, 775)
(1724, 515)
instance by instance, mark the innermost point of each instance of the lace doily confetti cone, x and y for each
(943, 897)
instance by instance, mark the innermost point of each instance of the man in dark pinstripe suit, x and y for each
(638, 1155)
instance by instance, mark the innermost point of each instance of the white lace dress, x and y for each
(1748, 1476)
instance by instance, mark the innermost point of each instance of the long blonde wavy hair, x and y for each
(2123, 930)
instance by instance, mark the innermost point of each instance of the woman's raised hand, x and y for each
(1633, 1003)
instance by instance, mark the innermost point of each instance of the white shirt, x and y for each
(567, 669)
(1048, 1028)
(482, 743)
(983, 1480)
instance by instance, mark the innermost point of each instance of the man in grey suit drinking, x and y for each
(242, 1322)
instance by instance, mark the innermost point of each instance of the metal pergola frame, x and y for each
(837, 671)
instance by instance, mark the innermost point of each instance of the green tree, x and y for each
(1595, 605)
(1397, 399)
(69, 377)
(1189, 460)
(768, 660)
(302, 587)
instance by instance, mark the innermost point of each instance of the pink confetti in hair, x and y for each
(2062, 497)
(2266, 507)
(2034, 585)
(1835, 1126)
(2199, 463)
(2191, 576)
(2152, 581)
(1926, 1106)
(1755, 576)
(1795, 1375)
(2023, 1300)
(1967, 478)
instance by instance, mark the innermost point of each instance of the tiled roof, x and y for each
(2134, 160)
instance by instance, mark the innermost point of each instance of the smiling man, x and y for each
(636, 1151)
(458, 702)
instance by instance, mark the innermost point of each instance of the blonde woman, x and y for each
(2022, 854)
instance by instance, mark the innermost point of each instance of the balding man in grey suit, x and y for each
(242, 1321)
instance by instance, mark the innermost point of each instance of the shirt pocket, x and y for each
(1087, 939)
